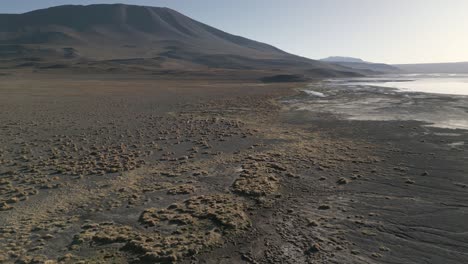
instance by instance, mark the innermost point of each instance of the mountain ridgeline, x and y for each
(117, 37)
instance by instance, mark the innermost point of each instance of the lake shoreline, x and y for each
(347, 100)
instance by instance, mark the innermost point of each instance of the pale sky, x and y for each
(390, 31)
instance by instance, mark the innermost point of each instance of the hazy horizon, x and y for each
(395, 32)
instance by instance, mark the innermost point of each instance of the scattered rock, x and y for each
(342, 181)
(312, 222)
(314, 249)
(409, 181)
(383, 248)
(292, 175)
(324, 207)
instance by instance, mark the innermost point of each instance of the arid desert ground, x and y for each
(140, 169)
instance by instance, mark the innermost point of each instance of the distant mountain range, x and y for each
(138, 38)
(359, 64)
(343, 59)
(453, 67)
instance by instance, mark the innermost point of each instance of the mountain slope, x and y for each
(137, 35)
(121, 26)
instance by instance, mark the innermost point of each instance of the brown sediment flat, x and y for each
(121, 169)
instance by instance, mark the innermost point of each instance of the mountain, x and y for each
(118, 36)
(342, 59)
(451, 67)
(359, 64)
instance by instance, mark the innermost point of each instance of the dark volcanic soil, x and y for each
(98, 170)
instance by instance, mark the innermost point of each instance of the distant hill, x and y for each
(359, 64)
(343, 59)
(454, 67)
(115, 37)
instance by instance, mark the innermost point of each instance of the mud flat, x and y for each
(146, 170)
